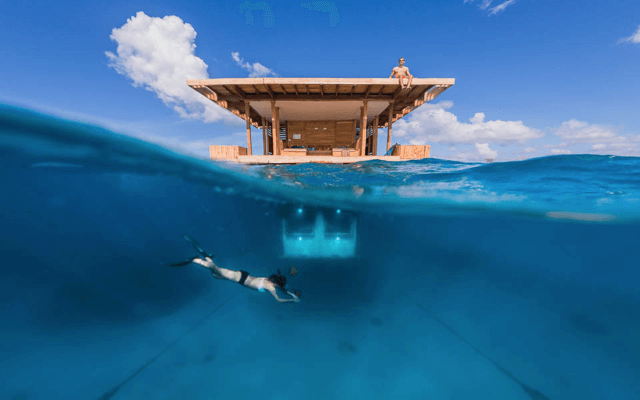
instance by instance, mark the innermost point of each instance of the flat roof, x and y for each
(302, 99)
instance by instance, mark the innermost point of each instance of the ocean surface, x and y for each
(513, 280)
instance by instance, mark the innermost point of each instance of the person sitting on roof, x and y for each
(242, 277)
(401, 72)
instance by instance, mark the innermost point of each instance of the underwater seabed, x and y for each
(446, 299)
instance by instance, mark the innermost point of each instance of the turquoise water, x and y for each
(515, 280)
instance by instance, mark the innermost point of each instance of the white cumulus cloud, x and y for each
(574, 131)
(635, 38)
(158, 54)
(433, 123)
(256, 70)
(485, 151)
(560, 151)
(603, 139)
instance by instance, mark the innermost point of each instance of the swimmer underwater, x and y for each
(242, 277)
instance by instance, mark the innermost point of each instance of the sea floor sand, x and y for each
(388, 349)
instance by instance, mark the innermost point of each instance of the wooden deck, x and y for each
(310, 159)
(233, 94)
(319, 114)
(300, 156)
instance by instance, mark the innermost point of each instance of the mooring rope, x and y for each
(108, 395)
(533, 393)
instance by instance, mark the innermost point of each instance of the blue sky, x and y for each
(533, 77)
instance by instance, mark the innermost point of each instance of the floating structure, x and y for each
(326, 120)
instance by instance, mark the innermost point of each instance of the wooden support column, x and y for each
(371, 147)
(277, 133)
(363, 127)
(264, 137)
(247, 118)
(358, 145)
(273, 126)
(375, 135)
(366, 152)
(390, 123)
(366, 141)
(269, 138)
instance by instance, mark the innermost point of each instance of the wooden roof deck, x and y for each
(263, 160)
(233, 93)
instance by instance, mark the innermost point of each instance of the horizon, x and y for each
(531, 81)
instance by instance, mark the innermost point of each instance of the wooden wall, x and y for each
(412, 152)
(321, 134)
(227, 152)
(345, 133)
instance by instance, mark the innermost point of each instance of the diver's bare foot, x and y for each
(205, 263)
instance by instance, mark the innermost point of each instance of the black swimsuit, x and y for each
(243, 277)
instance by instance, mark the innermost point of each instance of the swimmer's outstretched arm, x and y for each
(294, 299)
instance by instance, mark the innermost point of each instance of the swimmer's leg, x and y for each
(217, 276)
(215, 270)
